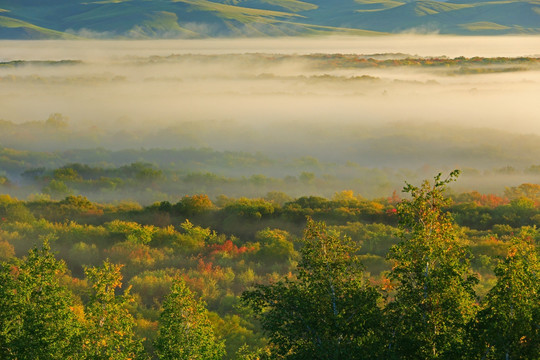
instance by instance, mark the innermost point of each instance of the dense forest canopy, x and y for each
(219, 250)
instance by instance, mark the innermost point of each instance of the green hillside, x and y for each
(18, 29)
(32, 19)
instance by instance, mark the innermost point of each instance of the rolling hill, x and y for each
(35, 19)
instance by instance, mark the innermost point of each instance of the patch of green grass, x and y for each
(484, 25)
(106, 2)
(291, 5)
(434, 7)
(7, 22)
(163, 23)
(329, 30)
(97, 14)
(241, 14)
(375, 5)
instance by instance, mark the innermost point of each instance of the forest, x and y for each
(423, 274)
(242, 199)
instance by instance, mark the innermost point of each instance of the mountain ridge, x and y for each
(146, 19)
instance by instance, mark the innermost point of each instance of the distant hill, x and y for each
(38, 19)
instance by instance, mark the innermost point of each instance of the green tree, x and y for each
(66, 174)
(13, 210)
(276, 246)
(57, 189)
(193, 205)
(57, 121)
(329, 311)
(509, 322)
(6, 250)
(36, 316)
(253, 209)
(109, 332)
(278, 198)
(185, 332)
(434, 299)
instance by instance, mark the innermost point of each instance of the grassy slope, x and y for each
(279, 5)
(377, 5)
(193, 18)
(18, 29)
(457, 18)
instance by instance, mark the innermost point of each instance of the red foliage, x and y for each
(491, 200)
(228, 247)
(204, 268)
(395, 198)
(195, 284)
(14, 271)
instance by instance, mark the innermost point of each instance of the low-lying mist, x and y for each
(398, 102)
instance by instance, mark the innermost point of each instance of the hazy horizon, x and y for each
(142, 81)
(422, 45)
(276, 97)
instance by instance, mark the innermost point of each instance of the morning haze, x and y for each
(333, 99)
(270, 198)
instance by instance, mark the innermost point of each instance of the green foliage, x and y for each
(375, 238)
(14, 210)
(434, 299)
(508, 324)
(529, 191)
(197, 235)
(193, 205)
(6, 250)
(109, 327)
(326, 307)
(80, 203)
(279, 198)
(66, 174)
(137, 256)
(245, 353)
(307, 177)
(275, 246)
(184, 329)
(143, 172)
(36, 312)
(57, 189)
(84, 254)
(57, 121)
(252, 209)
(328, 312)
(134, 233)
(153, 286)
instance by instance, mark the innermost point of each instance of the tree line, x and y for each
(426, 308)
(310, 295)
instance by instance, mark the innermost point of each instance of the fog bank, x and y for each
(397, 101)
(423, 45)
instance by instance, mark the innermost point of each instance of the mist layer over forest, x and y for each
(345, 111)
(200, 163)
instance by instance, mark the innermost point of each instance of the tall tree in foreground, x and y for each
(109, 325)
(329, 311)
(434, 299)
(185, 332)
(36, 317)
(509, 323)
